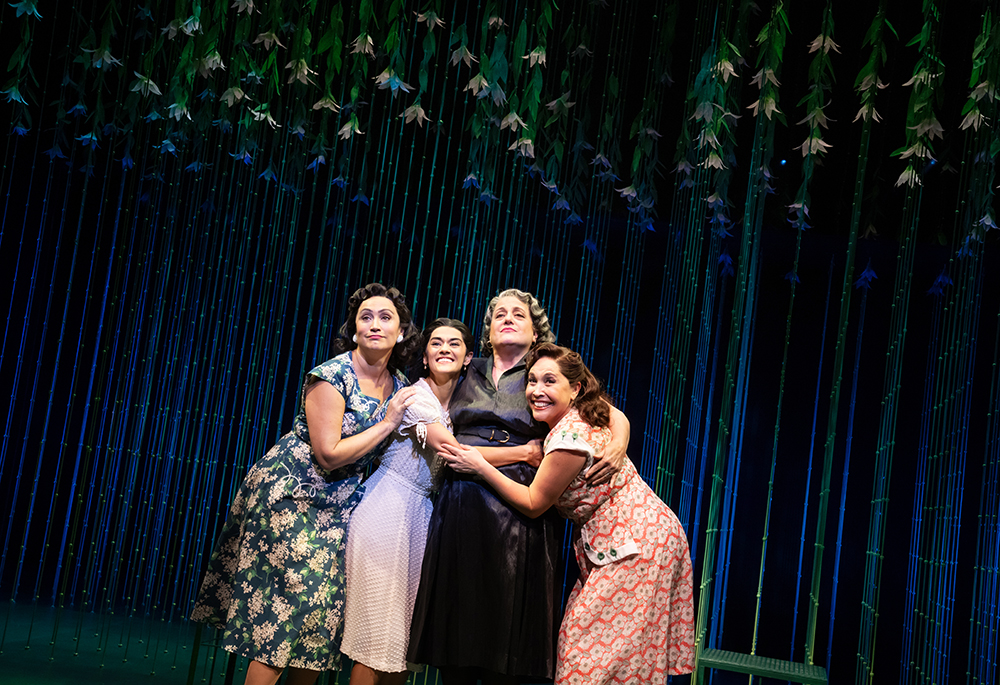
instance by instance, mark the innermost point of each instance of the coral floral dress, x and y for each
(630, 616)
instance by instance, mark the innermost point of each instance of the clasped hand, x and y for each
(462, 458)
(605, 467)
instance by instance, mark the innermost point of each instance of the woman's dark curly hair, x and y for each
(403, 352)
(539, 319)
(592, 402)
(425, 338)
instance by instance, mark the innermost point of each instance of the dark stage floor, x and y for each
(42, 646)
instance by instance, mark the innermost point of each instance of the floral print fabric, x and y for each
(275, 582)
(630, 616)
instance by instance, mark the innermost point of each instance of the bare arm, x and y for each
(556, 472)
(325, 416)
(531, 453)
(609, 463)
(438, 436)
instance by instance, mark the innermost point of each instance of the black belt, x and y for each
(500, 436)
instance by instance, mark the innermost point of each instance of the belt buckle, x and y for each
(506, 436)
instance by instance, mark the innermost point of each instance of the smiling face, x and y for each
(378, 324)
(548, 392)
(446, 353)
(511, 325)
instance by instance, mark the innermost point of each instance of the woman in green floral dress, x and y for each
(274, 584)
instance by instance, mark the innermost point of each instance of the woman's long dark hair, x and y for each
(403, 352)
(592, 402)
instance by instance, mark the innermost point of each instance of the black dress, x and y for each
(487, 585)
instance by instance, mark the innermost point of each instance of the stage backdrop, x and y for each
(770, 227)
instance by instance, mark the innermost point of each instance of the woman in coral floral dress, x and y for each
(630, 617)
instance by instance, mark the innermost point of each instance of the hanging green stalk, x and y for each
(362, 49)
(525, 108)
(814, 147)
(488, 88)
(922, 127)
(16, 88)
(573, 130)
(395, 47)
(705, 161)
(820, 83)
(331, 43)
(430, 17)
(980, 112)
(976, 218)
(771, 41)
(644, 130)
(867, 84)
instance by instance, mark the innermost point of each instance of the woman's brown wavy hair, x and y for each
(592, 402)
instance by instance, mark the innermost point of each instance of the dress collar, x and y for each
(485, 366)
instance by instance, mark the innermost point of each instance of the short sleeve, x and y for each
(424, 410)
(571, 438)
(331, 371)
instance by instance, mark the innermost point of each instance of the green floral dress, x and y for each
(275, 582)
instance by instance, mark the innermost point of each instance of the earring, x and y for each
(400, 338)
(355, 338)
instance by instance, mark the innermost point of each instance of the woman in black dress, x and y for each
(487, 604)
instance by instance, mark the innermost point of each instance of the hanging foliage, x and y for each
(248, 72)
(980, 115)
(194, 187)
(771, 45)
(819, 85)
(922, 125)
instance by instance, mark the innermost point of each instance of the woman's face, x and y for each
(446, 353)
(378, 324)
(548, 392)
(511, 324)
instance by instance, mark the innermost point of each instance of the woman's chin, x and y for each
(546, 416)
(442, 376)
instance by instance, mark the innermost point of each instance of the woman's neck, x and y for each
(506, 358)
(370, 366)
(443, 388)
(551, 423)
